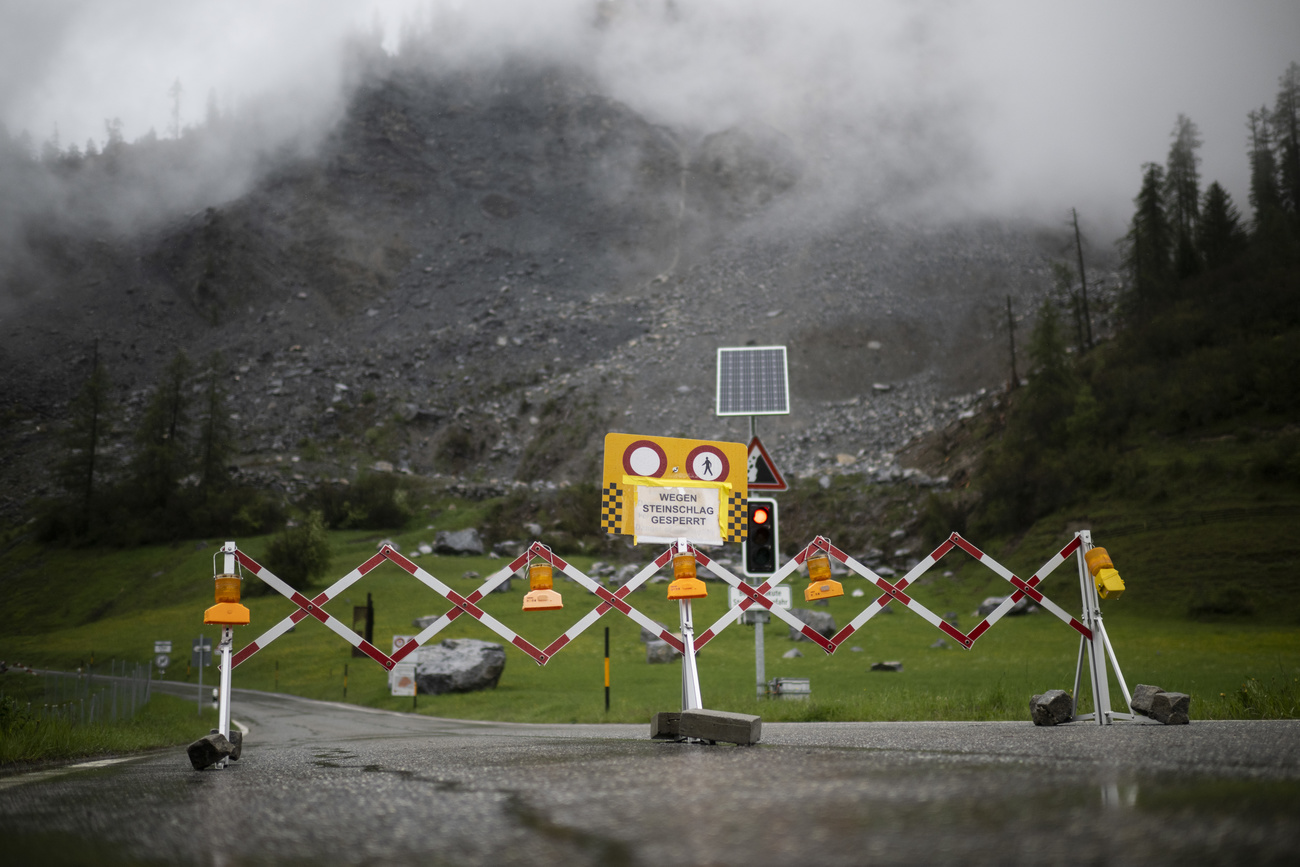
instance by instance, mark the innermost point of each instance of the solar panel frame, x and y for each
(752, 380)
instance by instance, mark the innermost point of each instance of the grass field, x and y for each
(164, 721)
(114, 605)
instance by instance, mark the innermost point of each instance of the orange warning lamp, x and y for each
(540, 596)
(685, 585)
(820, 585)
(227, 611)
(1108, 582)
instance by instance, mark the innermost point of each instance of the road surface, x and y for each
(323, 783)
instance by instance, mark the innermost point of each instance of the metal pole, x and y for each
(606, 669)
(690, 675)
(200, 710)
(1096, 645)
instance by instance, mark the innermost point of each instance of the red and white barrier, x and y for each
(1092, 634)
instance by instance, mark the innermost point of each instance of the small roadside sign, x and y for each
(780, 596)
(763, 474)
(401, 680)
(162, 647)
(162, 660)
(400, 640)
(661, 489)
(201, 652)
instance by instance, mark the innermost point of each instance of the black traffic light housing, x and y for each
(762, 538)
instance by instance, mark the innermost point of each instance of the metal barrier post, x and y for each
(691, 699)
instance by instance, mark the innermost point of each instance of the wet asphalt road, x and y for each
(323, 783)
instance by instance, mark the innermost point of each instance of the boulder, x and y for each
(463, 542)
(600, 569)
(1024, 606)
(1143, 695)
(625, 574)
(1051, 708)
(821, 622)
(660, 652)
(208, 750)
(423, 623)
(509, 548)
(458, 665)
(792, 653)
(647, 636)
(533, 530)
(1171, 708)
(892, 665)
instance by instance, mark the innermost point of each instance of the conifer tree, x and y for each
(1182, 195)
(1265, 197)
(1149, 245)
(90, 420)
(215, 439)
(1220, 237)
(163, 457)
(1286, 121)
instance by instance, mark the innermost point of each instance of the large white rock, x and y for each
(458, 665)
(465, 541)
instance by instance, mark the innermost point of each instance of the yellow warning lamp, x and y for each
(540, 596)
(1108, 582)
(820, 585)
(227, 611)
(685, 585)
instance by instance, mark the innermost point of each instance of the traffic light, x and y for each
(761, 538)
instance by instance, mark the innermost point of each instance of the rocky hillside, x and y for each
(479, 273)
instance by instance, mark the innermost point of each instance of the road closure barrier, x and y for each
(1094, 645)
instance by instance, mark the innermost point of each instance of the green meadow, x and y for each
(89, 607)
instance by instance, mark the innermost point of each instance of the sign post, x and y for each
(781, 598)
(680, 492)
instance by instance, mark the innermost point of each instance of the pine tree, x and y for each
(1149, 241)
(1265, 196)
(1182, 195)
(163, 457)
(216, 441)
(90, 419)
(1220, 237)
(1286, 121)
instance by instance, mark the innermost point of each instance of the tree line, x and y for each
(177, 480)
(1208, 336)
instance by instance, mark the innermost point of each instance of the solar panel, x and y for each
(753, 380)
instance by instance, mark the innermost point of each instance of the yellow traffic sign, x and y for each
(661, 489)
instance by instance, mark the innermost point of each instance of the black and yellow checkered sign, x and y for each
(633, 461)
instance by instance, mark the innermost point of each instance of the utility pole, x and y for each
(1011, 329)
(1083, 280)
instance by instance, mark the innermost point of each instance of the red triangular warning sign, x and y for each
(763, 474)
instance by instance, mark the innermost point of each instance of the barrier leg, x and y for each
(223, 694)
(1097, 644)
(690, 674)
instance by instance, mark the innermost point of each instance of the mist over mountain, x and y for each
(482, 267)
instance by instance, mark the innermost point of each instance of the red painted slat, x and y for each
(980, 629)
(297, 616)
(815, 636)
(1072, 547)
(843, 634)
(399, 560)
(942, 549)
(247, 651)
(556, 645)
(702, 639)
(1081, 629)
(527, 648)
(673, 640)
(955, 633)
(404, 651)
(376, 654)
(372, 562)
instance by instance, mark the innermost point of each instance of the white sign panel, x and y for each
(780, 596)
(162, 647)
(669, 514)
(402, 678)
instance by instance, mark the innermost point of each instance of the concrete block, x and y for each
(665, 724)
(208, 750)
(1051, 708)
(1143, 694)
(1171, 708)
(236, 742)
(743, 729)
